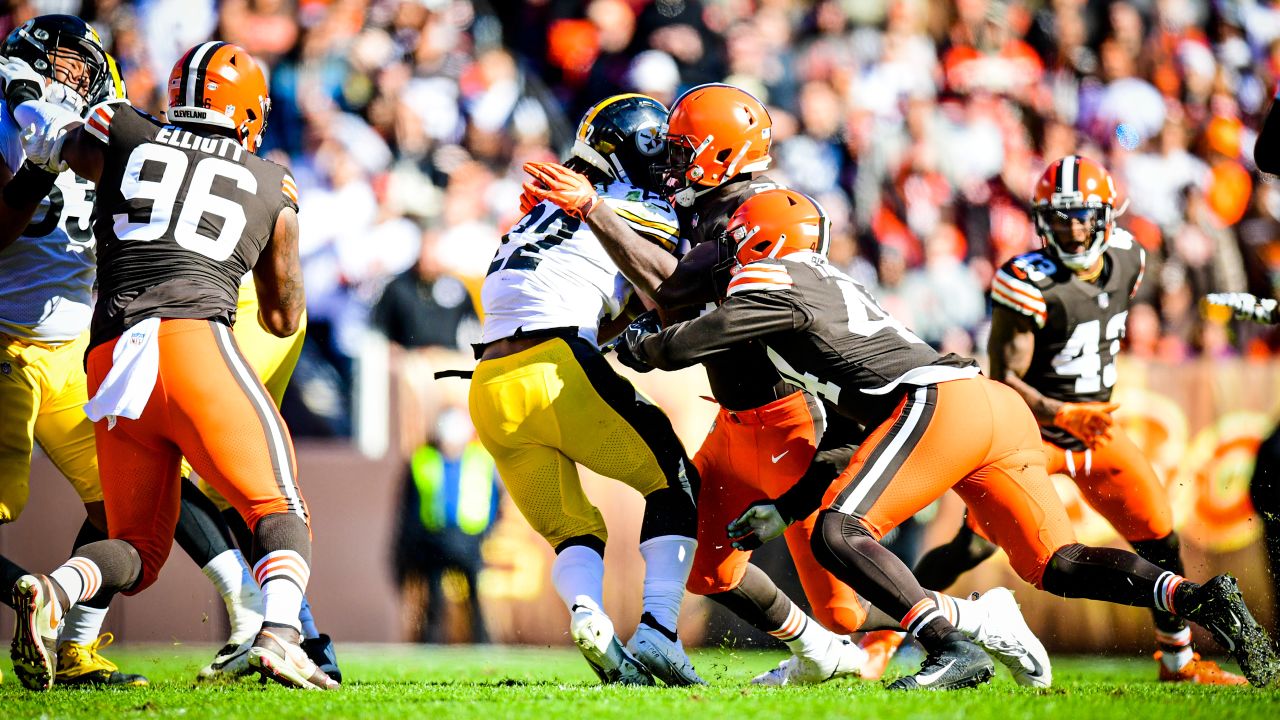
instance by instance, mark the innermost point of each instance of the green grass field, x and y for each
(493, 683)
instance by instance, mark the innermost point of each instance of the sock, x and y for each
(9, 574)
(79, 578)
(283, 577)
(1175, 648)
(1166, 590)
(231, 576)
(305, 619)
(82, 625)
(667, 561)
(926, 623)
(966, 615)
(803, 635)
(578, 576)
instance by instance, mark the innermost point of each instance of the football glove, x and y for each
(44, 128)
(527, 201)
(573, 192)
(758, 524)
(1247, 307)
(21, 82)
(628, 345)
(1089, 421)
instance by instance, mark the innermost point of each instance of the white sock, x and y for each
(667, 561)
(283, 576)
(82, 625)
(1175, 648)
(578, 576)
(80, 578)
(230, 575)
(966, 615)
(803, 634)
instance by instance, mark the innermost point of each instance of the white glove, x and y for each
(12, 69)
(1246, 306)
(758, 525)
(44, 129)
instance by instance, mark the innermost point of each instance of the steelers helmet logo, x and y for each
(649, 140)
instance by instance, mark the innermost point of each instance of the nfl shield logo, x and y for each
(5, 368)
(1104, 300)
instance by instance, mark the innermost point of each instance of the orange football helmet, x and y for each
(775, 224)
(220, 84)
(1075, 190)
(714, 132)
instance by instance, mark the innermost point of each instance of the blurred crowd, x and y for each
(921, 125)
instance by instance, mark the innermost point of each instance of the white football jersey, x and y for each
(551, 272)
(46, 275)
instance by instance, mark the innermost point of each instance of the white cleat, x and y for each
(665, 658)
(35, 633)
(592, 632)
(1006, 637)
(277, 655)
(231, 663)
(843, 658)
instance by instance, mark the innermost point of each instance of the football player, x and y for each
(183, 211)
(1058, 317)
(768, 433)
(543, 398)
(47, 274)
(938, 425)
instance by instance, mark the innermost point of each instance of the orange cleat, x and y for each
(880, 646)
(1202, 672)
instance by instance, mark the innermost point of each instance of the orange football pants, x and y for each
(208, 405)
(757, 455)
(1117, 480)
(976, 436)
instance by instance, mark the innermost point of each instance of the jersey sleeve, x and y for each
(1132, 257)
(741, 318)
(1013, 289)
(289, 190)
(760, 277)
(101, 117)
(651, 217)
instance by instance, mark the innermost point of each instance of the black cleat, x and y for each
(1218, 606)
(320, 650)
(957, 664)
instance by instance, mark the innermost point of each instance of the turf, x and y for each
(493, 683)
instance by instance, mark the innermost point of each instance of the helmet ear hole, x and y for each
(723, 155)
(760, 246)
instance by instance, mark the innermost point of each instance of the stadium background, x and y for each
(920, 126)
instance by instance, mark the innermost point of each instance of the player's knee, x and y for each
(669, 511)
(711, 575)
(1056, 574)
(832, 531)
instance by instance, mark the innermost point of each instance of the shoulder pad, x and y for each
(761, 276)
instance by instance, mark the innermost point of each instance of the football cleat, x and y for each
(665, 658)
(230, 663)
(84, 665)
(957, 664)
(1200, 672)
(843, 658)
(592, 632)
(1218, 607)
(320, 650)
(1007, 638)
(880, 646)
(35, 633)
(277, 655)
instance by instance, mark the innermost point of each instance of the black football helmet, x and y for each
(42, 40)
(621, 136)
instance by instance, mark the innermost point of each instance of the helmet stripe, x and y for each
(1068, 175)
(191, 84)
(595, 110)
(824, 228)
(203, 70)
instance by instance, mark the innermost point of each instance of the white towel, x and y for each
(135, 363)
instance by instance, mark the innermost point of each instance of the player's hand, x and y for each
(628, 345)
(527, 201)
(1091, 422)
(1247, 306)
(572, 191)
(44, 128)
(21, 82)
(758, 524)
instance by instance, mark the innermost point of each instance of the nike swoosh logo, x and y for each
(776, 458)
(931, 677)
(1039, 669)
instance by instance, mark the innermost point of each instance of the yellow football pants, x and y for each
(540, 411)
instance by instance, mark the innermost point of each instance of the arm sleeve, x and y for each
(652, 219)
(742, 317)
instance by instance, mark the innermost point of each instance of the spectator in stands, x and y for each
(425, 306)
